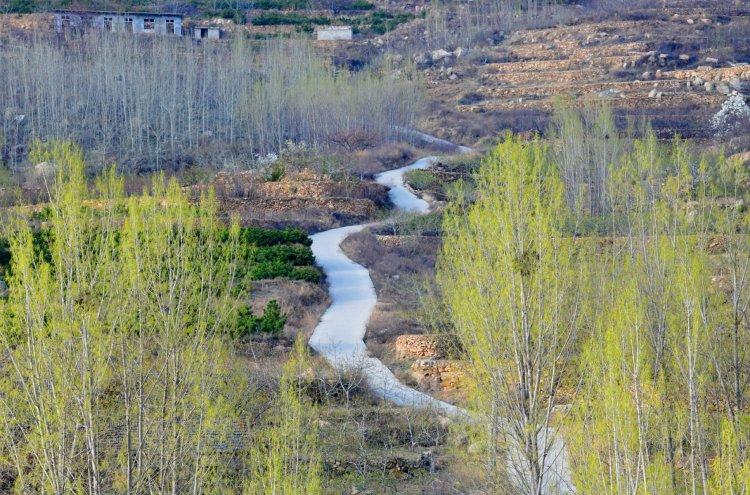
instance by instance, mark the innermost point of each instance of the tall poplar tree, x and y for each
(509, 276)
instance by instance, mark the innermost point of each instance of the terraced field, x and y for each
(673, 66)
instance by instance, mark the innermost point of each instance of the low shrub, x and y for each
(258, 236)
(288, 19)
(306, 273)
(421, 179)
(281, 4)
(271, 322)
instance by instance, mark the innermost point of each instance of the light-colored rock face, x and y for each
(439, 374)
(422, 346)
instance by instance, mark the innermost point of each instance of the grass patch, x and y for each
(421, 179)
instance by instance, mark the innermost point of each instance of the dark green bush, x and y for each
(258, 236)
(275, 173)
(281, 4)
(307, 273)
(21, 6)
(263, 253)
(293, 254)
(288, 19)
(357, 5)
(272, 322)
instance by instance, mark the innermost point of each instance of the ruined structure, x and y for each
(126, 22)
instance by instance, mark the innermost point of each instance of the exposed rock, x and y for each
(717, 244)
(712, 60)
(731, 203)
(723, 88)
(684, 57)
(709, 87)
(44, 169)
(653, 93)
(421, 59)
(474, 449)
(424, 346)
(438, 374)
(739, 85)
(440, 54)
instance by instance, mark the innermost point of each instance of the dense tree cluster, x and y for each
(158, 103)
(118, 373)
(602, 299)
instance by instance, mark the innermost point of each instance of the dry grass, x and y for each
(303, 302)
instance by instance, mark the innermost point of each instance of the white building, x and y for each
(334, 33)
(127, 22)
(207, 32)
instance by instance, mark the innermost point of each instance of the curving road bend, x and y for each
(341, 330)
(339, 336)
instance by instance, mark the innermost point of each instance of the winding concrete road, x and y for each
(339, 336)
(340, 333)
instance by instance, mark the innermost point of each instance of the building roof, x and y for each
(112, 12)
(333, 28)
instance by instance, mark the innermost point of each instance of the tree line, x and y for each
(119, 374)
(600, 291)
(157, 103)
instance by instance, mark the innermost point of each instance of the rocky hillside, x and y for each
(672, 66)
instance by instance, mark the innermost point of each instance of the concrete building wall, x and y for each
(141, 23)
(335, 33)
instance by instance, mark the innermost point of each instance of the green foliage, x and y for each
(281, 4)
(421, 179)
(290, 19)
(275, 173)
(356, 5)
(429, 224)
(271, 322)
(120, 305)
(258, 236)
(509, 282)
(235, 15)
(262, 253)
(21, 6)
(286, 457)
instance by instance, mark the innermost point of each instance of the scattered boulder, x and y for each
(438, 374)
(44, 169)
(709, 87)
(712, 60)
(424, 346)
(438, 55)
(421, 59)
(742, 87)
